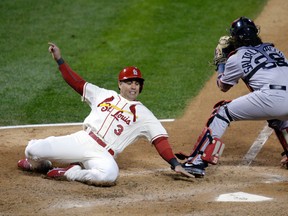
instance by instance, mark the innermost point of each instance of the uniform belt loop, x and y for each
(277, 87)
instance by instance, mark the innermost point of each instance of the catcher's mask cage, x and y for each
(244, 29)
(131, 73)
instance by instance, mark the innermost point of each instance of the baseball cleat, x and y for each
(197, 170)
(42, 167)
(58, 172)
(24, 165)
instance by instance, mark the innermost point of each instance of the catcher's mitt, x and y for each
(222, 50)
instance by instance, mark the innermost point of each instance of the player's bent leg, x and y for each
(91, 176)
(32, 162)
(100, 171)
(41, 152)
(94, 176)
(206, 150)
(281, 131)
(208, 147)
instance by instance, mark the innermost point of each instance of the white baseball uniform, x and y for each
(113, 124)
(264, 69)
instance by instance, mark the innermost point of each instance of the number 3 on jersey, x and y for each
(119, 130)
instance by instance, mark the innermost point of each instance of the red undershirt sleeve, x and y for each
(164, 149)
(71, 77)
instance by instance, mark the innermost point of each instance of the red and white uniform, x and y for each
(113, 123)
(117, 121)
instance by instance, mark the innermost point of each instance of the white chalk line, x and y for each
(256, 146)
(60, 124)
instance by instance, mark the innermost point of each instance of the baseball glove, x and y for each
(222, 50)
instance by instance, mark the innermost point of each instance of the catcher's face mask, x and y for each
(244, 29)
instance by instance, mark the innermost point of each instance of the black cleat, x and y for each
(197, 170)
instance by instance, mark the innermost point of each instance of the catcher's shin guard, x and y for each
(209, 149)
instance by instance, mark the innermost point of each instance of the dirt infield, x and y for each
(146, 185)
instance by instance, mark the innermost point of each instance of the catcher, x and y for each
(264, 69)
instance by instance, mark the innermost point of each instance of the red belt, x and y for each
(100, 142)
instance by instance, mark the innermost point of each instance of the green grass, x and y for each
(172, 42)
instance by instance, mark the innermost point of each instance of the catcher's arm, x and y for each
(222, 52)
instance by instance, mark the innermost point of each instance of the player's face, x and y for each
(129, 89)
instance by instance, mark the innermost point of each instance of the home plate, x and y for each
(241, 197)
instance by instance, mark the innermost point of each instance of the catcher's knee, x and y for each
(209, 147)
(220, 111)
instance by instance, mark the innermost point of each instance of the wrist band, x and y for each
(60, 61)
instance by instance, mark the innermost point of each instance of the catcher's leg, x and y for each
(281, 131)
(208, 147)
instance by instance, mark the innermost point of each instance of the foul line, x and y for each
(256, 146)
(59, 124)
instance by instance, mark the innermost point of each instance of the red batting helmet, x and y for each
(131, 73)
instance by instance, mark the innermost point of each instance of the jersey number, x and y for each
(275, 60)
(119, 130)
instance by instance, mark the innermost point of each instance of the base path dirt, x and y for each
(146, 185)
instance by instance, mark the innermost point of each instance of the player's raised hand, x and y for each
(54, 50)
(181, 170)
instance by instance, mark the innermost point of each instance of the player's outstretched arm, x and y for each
(71, 77)
(164, 149)
(54, 50)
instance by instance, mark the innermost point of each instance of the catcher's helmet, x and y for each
(131, 73)
(244, 29)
